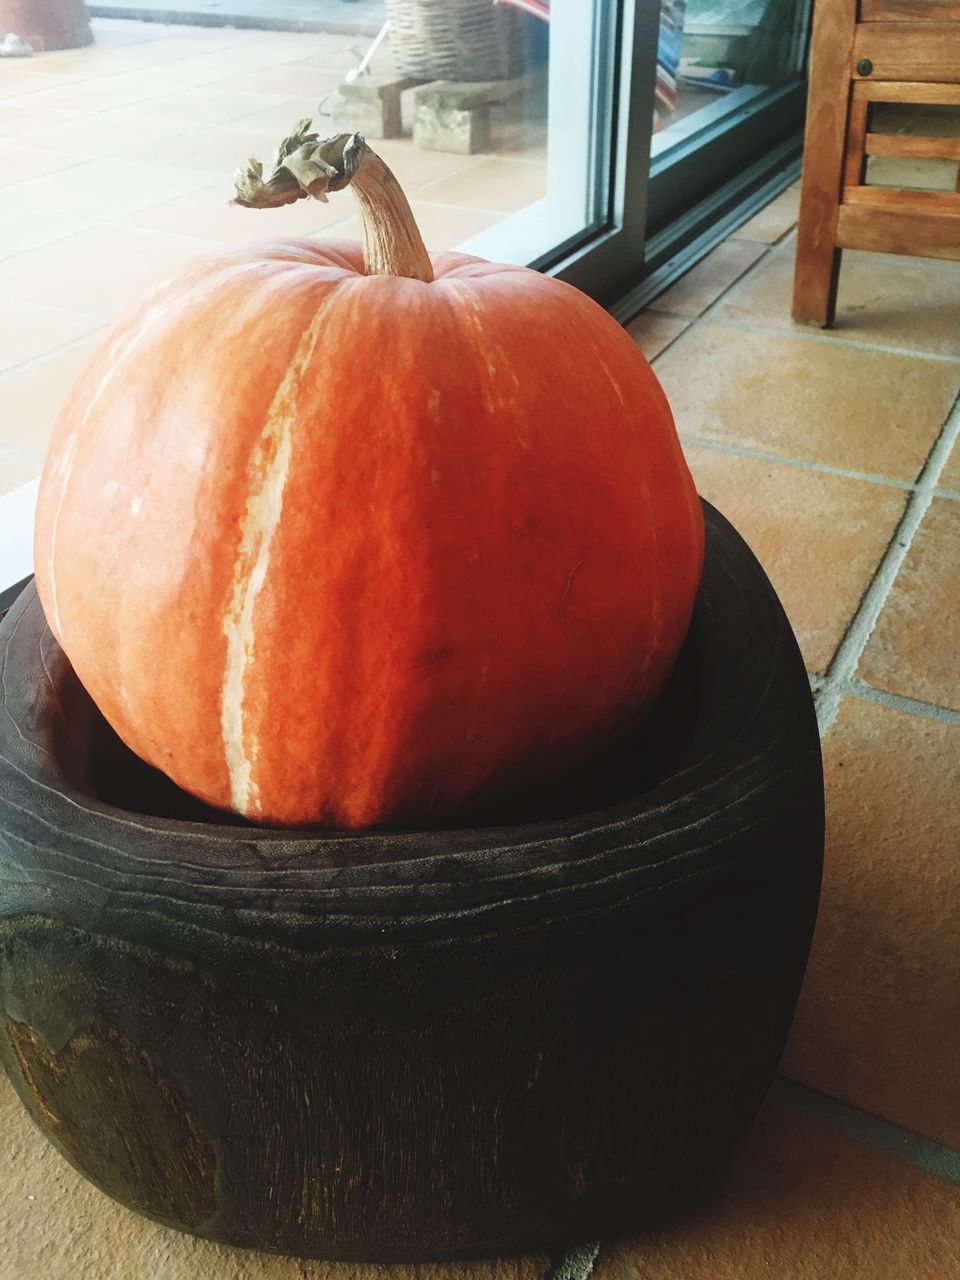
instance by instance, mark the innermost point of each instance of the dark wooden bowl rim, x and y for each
(466, 881)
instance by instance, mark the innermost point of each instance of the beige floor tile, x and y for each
(306, 76)
(208, 214)
(808, 399)
(31, 396)
(20, 163)
(883, 298)
(276, 116)
(819, 537)
(22, 229)
(105, 188)
(774, 220)
(98, 271)
(100, 93)
(878, 1023)
(200, 108)
(19, 115)
(56, 1226)
(27, 330)
(216, 150)
(443, 226)
(240, 66)
(800, 1202)
(695, 291)
(652, 332)
(86, 96)
(503, 185)
(22, 75)
(915, 646)
(16, 469)
(96, 61)
(106, 133)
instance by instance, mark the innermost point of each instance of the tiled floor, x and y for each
(835, 454)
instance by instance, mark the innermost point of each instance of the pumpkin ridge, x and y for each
(270, 463)
(152, 309)
(64, 463)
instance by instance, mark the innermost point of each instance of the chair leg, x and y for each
(816, 276)
(824, 152)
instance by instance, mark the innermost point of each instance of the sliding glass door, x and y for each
(602, 140)
(663, 120)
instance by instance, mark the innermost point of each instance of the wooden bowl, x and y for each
(407, 1045)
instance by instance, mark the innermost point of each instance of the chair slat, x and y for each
(926, 235)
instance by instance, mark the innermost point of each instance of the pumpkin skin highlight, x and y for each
(353, 550)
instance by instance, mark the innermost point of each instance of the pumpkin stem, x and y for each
(307, 165)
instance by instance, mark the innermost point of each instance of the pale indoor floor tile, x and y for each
(27, 229)
(711, 276)
(819, 537)
(877, 300)
(807, 398)
(28, 330)
(32, 394)
(492, 183)
(652, 332)
(100, 270)
(104, 188)
(774, 220)
(16, 469)
(21, 159)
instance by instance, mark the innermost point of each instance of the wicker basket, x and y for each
(456, 39)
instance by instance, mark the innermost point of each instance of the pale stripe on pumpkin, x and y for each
(268, 469)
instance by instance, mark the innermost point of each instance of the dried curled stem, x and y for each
(306, 165)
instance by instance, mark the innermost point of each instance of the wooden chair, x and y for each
(903, 51)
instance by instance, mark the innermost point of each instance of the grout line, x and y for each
(952, 494)
(740, 451)
(871, 1131)
(832, 338)
(676, 337)
(693, 320)
(899, 702)
(575, 1264)
(99, 75)
(744, 276)
(852, 645)
(92, 223)
(173, 60)
(61, 346)
(74, 162)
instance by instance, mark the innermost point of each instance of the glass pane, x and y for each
(496, 119)
(716, 56)
(525, 133)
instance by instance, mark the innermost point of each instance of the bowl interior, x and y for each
(638, 762)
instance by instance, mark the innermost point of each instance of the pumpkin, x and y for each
(351, 535)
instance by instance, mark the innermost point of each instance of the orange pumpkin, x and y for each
(346, 544)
